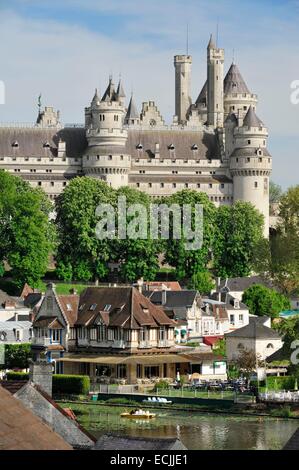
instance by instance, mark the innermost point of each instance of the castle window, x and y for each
(142, 172)
(46, 145)
(172, 161)
(39, 183)
(256, 184)
(248, 160)
(98, 157)
(149, 185)
(109, 157)
(64, 183)
(249, 142)
(174, 185)
(174, 172)
(222, 185)
(198, 172)
(171, 147)
(15, 144)
(139, 147)
(260, 160)
(198, 185)
(194, 147)
(162, 185)
(245, 108)
(186, 185)
(52, 183)
(210, 185)
(121, 157)
(237, 160)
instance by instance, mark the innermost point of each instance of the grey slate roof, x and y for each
(4, 297)
(211, 44)
(249, 152)
(255, 329)
(132, 112)
(234, 82)
(239, 284)
(118, 442)
(251, 119)
(120, 90)
(202, 97)
(174, 299)
(110, 94)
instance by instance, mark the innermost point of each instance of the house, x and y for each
(13, 308)
(35, 395)
(257, 336)
(180, 305)
(15, 332)
(157, 285)
(52, 324)
(20, 429)
(236, 286)
(119, 442)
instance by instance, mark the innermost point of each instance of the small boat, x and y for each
(140, 414)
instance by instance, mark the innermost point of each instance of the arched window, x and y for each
(241, 346)
(270, 346)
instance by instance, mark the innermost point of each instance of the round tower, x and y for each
(182, 64)
(237, 96)
(105, 156)
(251, 165)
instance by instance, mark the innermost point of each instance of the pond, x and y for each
(197, 431)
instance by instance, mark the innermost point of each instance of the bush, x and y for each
(161, 385)
(71, 384)
(281, 383)
(283, 412)
(17, 376)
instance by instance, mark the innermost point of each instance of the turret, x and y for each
(237, 97)
(215, 61)
(132, 117)
(105, 156)
(182, 64)
(251, 165)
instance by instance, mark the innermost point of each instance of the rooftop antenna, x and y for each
(233, 56)
(217, 33)
(187, 38)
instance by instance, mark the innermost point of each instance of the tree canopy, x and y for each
(238, 230)
(264, 301)
(27, 235)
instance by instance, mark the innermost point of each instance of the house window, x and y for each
(162, 334)
(121, 371)
(56, 336)
(241, 318)
(93, 307)
(107, 308)
(270, 346)
(240, 346)
(232, 319)
(102, 333)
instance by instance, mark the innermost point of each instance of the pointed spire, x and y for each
(109, 94)
(251, 119)
(132, 112)
(234, 82)
(211, 44)
(120, 90)
(96, 99)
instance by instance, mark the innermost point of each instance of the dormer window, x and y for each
(93, 307)
(107, 308)
(69, 307)
(81, 307)
(15, 144)
(194, 147)
(46, 145)
(236, 303)
(171, 147)
(139, 146)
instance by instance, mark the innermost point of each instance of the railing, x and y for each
(144, 345)
(41, 341)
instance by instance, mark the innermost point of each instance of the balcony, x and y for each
(43, 341)
(164, 343)
(119, 344)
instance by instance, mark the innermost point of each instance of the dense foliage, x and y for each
(27, 235)
(16, 356)
(71, 384)
(263, 301)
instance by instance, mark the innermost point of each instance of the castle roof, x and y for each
(251, 119)
(132, 112)
(255, 329)
(202, 97)
(234, 82)
(96, 99)
(211, 44)
(109, 94)
(232, 118)
(120, 90)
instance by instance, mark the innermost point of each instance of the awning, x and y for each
(151, 359)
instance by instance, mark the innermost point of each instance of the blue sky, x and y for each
(64, 49)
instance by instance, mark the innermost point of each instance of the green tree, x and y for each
(17, 356)
(27, 235)
(263, 301)
(137, 257)
(202, 281)
(238, 230)
(247, 362)
(275, 193)
(188, 262)
(289, 330)
(289, 211)
(81, 255)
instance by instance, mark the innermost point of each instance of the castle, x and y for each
(216, 145)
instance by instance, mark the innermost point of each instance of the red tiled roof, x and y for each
(155, 285)
(211, 340)
(69, 304)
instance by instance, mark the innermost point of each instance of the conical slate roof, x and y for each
(109, 94)
(234, 82)
(211, 44)
(232, 118)
(202, 97)
(251, 119)
(132, 112)
(120, 90)
(96, 99)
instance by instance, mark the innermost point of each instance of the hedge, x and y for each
(281, 383)
(17, 376)
(71, 384)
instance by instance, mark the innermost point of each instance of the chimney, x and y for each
(164, 296)
(40, 373)
(140, 284)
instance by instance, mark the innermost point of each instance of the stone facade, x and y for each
(216, 145)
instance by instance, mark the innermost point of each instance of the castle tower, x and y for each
(132, 117)
(105, 156)
(237, 97)
(251, 165)
(120, 93)
(215, 61)
(182, 64)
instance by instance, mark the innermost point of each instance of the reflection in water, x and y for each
(195, 431)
